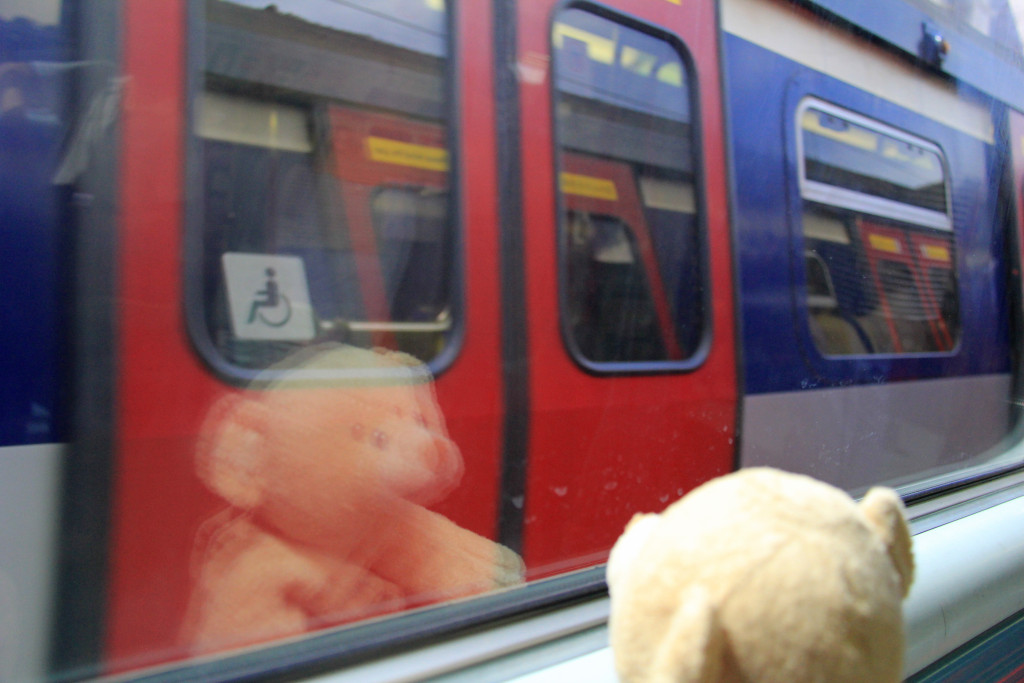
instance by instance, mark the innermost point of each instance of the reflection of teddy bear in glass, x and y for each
(327, 487)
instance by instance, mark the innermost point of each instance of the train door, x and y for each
(328, 193)
(629, 365)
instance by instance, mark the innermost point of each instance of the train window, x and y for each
(322, 167)
(631, 250)
(878, 237)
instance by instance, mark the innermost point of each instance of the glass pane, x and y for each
(875, 285)
(631, 249)
(843, 154)
(611, 311)
(415, 246)
(320, 185)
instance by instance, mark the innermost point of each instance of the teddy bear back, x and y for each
(757, 576)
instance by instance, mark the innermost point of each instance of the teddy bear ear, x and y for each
(693, 647)
(885, 514)
(231, 452)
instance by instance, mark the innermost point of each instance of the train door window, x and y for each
(631, 251)
(320, 136)
(878, 237)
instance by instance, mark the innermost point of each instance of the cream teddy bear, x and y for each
(762, 576)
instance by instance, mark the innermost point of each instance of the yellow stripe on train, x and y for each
(934, 252)
(589, 186)
(407, 154)
(890, 245)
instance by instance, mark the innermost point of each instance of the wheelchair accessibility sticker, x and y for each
(268, 297)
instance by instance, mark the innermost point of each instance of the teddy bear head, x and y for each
(315, 460)
(762, 575)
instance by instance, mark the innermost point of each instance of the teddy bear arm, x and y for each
(260, 617)
(245, 599)
(428, 554)
(342, 591)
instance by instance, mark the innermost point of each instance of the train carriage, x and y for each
(615, 249)
(879, 218)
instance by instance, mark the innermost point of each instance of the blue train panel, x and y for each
(30, 317)
(765, 93)
(911, 28)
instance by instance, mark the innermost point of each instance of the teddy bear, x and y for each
(327, 491)
(762, 576)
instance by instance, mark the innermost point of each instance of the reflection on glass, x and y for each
(879, 255)
(415, 245)
(843, 154)
(322, 137)
(609, 299)
(631, 249)
(327, 492)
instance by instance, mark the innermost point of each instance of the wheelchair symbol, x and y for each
(269, 305)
